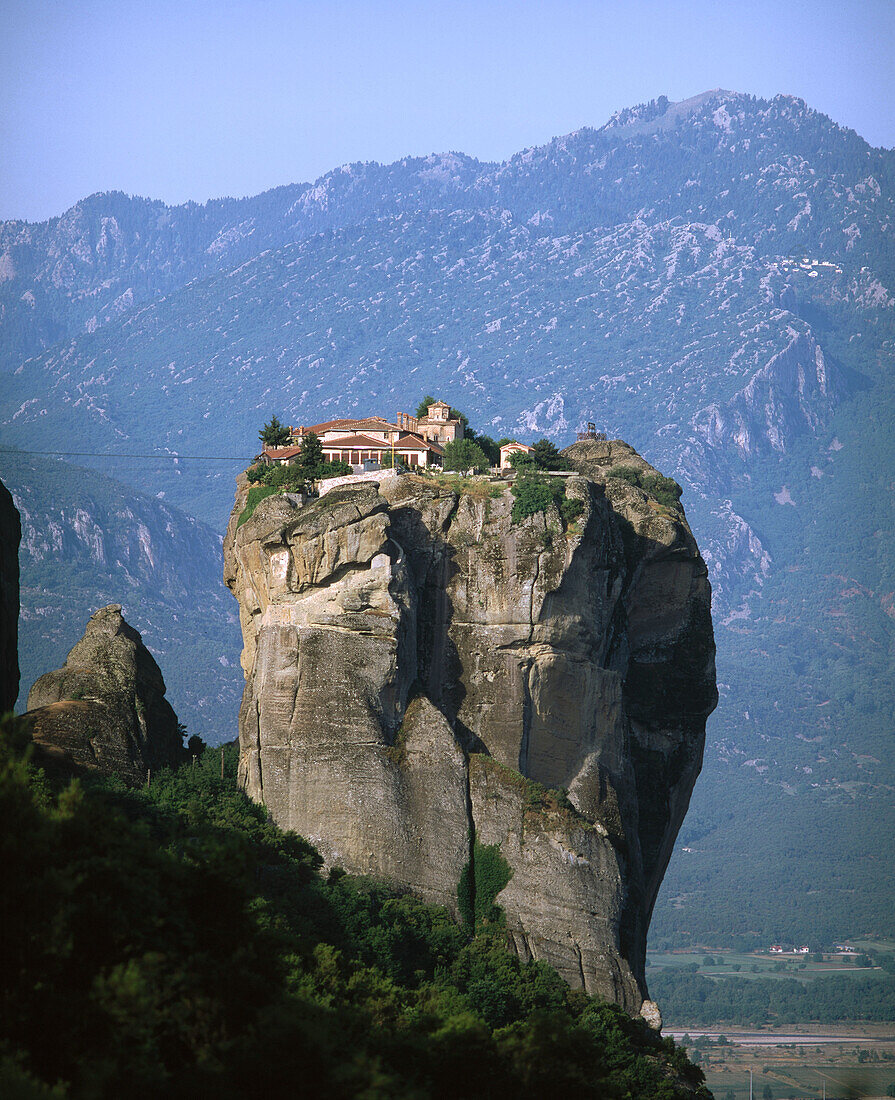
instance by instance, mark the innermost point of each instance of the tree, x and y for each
(195, 746)
(422, 408)
(522, 460)
(465, 456)
(547, 457)
(491, 449)
(274, 434)
(310, 455)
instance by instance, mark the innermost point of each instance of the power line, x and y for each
(121, 454)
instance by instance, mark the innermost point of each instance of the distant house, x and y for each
(278, 456)
(509, 449)
(803, 950)
(777, 949)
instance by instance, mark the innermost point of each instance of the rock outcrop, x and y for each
(10, 536)
(105, 710)
(427, 680)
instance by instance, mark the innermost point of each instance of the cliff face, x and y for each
(10, 535)
(105, 709)
(419, 668)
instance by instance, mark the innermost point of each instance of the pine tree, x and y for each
(310, 455)
(274, 434)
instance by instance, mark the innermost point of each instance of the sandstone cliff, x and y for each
(10, 535)
(105, 710)
(428, 682)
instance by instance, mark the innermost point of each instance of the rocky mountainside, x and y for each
(440, 695)
(86, 540)
(712, 280)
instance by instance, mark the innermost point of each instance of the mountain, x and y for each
(88, 540)
(711, 280)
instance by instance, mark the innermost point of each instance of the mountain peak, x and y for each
(662, 113)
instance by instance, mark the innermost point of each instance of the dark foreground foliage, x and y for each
(173, 942)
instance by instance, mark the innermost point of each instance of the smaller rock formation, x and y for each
(10, 535)
(105, 710)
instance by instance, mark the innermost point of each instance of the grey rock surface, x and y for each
(105, 710)
(424, 675)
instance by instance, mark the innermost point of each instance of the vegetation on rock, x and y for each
(481, 881)
(664, 489)
(535, 492)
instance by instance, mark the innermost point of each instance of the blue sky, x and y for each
(195, 99)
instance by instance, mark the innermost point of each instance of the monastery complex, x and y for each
(365, 443)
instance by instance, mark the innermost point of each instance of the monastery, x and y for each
(365, 443)
(418, 441)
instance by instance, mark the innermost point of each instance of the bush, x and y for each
(256, 495)
(523, 460)
(479, 885)
(663, 489)
(533, 494)
(571, 509)
(547, 457)
(332, 469)
(290, 479)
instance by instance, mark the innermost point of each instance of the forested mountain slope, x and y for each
(710, 280)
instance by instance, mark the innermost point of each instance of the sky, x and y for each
(196, 99)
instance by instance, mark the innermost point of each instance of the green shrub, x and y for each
(465, 455)
(571, 509)
(626, 473)
(523, 460)
(480, 884)
(333, 469)
(288, 478)
(533, 494)
(256, 495)
(663, 489)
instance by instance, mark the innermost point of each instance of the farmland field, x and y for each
(853, 1061)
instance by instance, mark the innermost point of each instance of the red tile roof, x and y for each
(351, 424)
(280, 452)
(407, 442)
(357, 442)
(412, 442)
